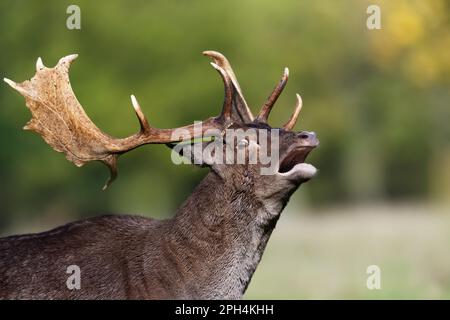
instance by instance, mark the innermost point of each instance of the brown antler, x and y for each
(268, 105)
(240, 111)
(293, 120)
(62, 122)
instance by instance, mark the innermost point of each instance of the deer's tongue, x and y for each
(293, 158)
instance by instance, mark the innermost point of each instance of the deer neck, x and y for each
(222, 233)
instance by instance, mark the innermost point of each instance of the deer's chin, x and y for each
(301, 171)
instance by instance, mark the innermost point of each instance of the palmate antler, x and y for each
(62, 122)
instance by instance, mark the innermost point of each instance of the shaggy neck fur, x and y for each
(226, 230)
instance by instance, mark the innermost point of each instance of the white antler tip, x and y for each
(72, 57)
(10, 82)
(39, 64)
(68, 59)
(209, 52)
(286, 71)
(299, 99)
(135, 103)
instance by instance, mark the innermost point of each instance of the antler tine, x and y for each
(228, 99)
(145, 127)
(39, 64)
(268, 105)
(293, 120)
(223, 62)
(240, 110)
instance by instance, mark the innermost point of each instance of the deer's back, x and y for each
(109, 251)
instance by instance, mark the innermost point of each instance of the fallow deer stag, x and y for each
(208, 250)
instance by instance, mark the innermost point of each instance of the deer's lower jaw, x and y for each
(301, 171)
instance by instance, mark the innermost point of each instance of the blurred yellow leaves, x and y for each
(406, 26)
(415, 33)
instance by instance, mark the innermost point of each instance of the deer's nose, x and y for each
(309, 137)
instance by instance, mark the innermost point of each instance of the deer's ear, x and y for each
(197, 153)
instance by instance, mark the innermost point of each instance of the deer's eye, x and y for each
(242, 143)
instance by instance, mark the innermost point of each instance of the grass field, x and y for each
(324, 255)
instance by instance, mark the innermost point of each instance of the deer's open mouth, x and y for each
(293, 165)
(293, 158)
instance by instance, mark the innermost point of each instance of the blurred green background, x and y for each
(378, 99)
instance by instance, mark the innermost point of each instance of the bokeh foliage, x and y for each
(379, 100)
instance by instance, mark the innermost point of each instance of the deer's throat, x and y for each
(222, 235)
